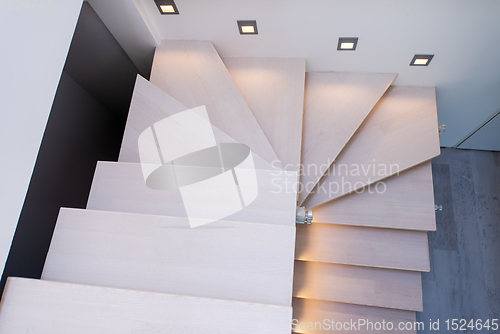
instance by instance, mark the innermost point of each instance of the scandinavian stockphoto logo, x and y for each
(181, 153)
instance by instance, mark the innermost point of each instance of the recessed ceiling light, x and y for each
(167, 7)
(347, 43)
(421, 60)
(247, 27)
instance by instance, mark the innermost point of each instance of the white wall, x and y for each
(486, 138)
(35, 43)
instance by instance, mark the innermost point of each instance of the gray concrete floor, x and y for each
(464, 282)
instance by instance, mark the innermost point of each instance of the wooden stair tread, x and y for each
(313, 311)
(400, 132)
(273, 88)
(193, 74)
(44, 307)
(406, 203)
(150, 105)
(398, 289)
(363, 246)
(120, 187)
(228, 260)
(238, 275)
(335, 106)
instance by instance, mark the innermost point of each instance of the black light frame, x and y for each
(429, 57)
(160, 3)
(347, 40)
(248, 23)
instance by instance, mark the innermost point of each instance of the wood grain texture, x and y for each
(406, 203)
(120, 187)
(363, 246)
(399, 289)
(335, 106)
(193, 74)
(313, 311)
(226, 260)
(273, 88)
(150, 105)
(400, 132)
(44, 307)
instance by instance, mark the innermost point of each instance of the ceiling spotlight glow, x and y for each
(247, 27)
(347, 43)
(167, 7)
(421, 60)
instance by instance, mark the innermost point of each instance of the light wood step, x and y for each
(400, 132)
(150, 105)
(227, 260)
(310, 312)
(405, 202)
(398, 289)
(44, 307)
(335, 106)
(363, 246)
(120, 187)
(193, 74)
(273, 88)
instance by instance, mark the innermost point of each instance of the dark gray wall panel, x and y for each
(86, 124)
(79, 132)
(98, 63)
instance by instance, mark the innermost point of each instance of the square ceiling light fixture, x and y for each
(247, 27)
(421, 60)
(167, 7)
(347, 43)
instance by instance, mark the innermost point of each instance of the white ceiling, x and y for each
(464, 36)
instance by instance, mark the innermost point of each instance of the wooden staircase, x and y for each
(131, 263)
